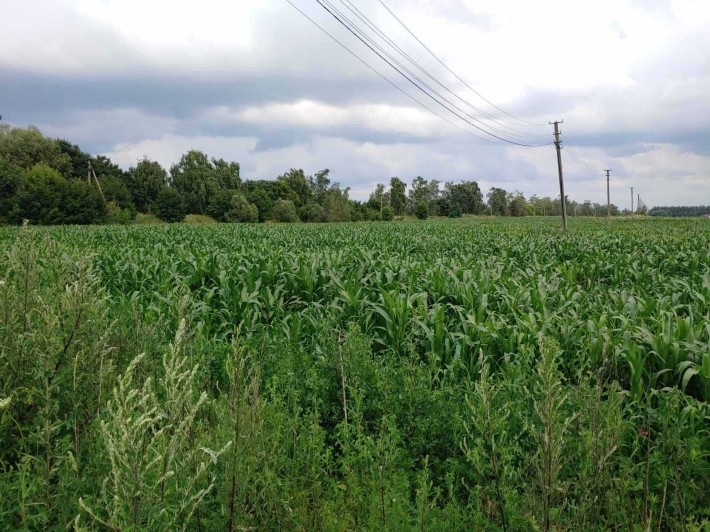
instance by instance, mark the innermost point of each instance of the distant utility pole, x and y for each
(632, 201)
(608, 200)
(563, 202)
(91, 174)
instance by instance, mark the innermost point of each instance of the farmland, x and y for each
(441, 375)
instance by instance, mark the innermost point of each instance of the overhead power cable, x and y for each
(355, 29)
(418, 102)
(419, 87)
(372, 26)
(524, 122)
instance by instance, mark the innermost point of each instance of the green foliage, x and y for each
(312, 212)
(398, 198)
(421, 210)
(465, 197)
(220, 203)
(159, 474)
(144, 181)
(10, 178)
(116, 191)
(194, 178)
(170, 206)
(498, 202)
(336, 205)
(40, 195)
(677, 211)
(475, 374)
(284, 211)
(26, 148)
(387, 214)
(241, 210)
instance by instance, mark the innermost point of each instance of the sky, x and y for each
(256, 82)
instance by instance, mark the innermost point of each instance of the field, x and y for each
(442, 375)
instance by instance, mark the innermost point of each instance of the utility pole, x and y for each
(563, 199)
(632, 201)
(91, 174)
(608, 200)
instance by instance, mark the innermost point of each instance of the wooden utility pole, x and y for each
(91, 174)
(608, 200)
(558, 146)
(632, 201)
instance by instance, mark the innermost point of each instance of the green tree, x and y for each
(220, 204)
(194, 177)
(258, 193)
(40, 195)
(169, 205)
(336, 205)
(284, 211)
(299, 185)
(398, 197)
(227, 174)
(517, 205)
(78, 159)
(498, 201)
(28, 147)
(387, 213)
(115, 189)
(312, 212)
(242, 211)
(379, 198)
(320, 183)
(82, 203)
(144, 181)
(466, 196)
(419, 192)
(421, 210)
(10, 179)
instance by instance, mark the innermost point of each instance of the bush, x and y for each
(421, 210)
(284, 211)
(454, 211)
(220, 204)
(312, 212)
(117, 215)
(387, 214)
(242, 211)
(169, 205)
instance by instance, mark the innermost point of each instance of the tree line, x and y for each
(678, 211)
(44, 181)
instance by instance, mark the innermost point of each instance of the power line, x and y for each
(371, 25)
(385, 77)
(336, 17)
(525, 122)
(360, 34)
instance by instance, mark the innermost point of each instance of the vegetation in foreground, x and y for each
(431, 375)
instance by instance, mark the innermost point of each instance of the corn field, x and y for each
(489, 374)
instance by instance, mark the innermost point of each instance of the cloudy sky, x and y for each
(256, 82)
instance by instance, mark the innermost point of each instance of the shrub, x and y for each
(284, 211)
(387, 214)
(169, 206)
(454, 211)
(242, 211)
(421, 210)
(312, 212)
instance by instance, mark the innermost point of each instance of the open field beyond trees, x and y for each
(441, 375)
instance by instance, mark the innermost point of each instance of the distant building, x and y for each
(706, 215)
